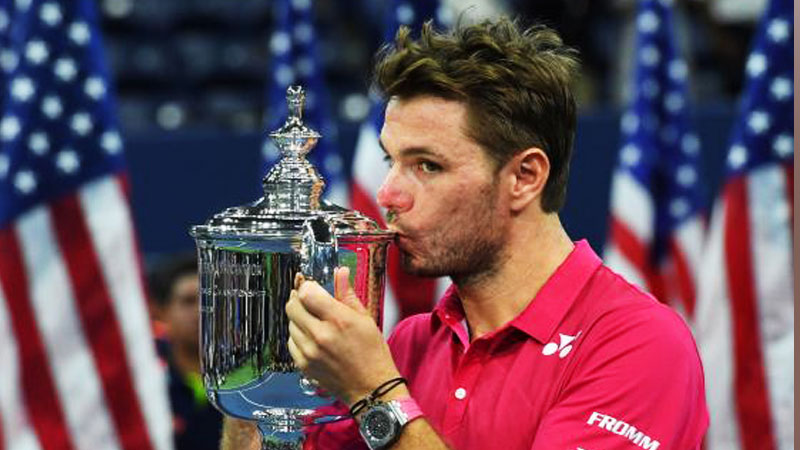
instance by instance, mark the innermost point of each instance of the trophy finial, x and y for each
(294, 138)
(296, 100)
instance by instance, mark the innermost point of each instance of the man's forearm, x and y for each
(419, 435)
(240, 435)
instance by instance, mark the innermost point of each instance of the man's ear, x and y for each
(529, 171)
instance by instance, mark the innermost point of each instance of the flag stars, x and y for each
(111, 142)
(36, 52)
(778, 30)
(677, 70)
(22, 89)
(303, 32)
(305, 66)
(23, 5)
(686, 176)
(737, 157)
(81, 123)
(4, 21)
(38, 143)
(301, 5)
(674, 102)
(783, 145)
(648, 22)
(650, 56)
(51, 107)
(781, 88)
(67, 161)
(284, 75)
(79, 33)
(690, 144)
(629, 123)
(9, 128)
(333, 163)
(630, 155)
(50, 13)
(8, 60)
(65, 69)
(5, 166)
(95, 88)
(650, 88)
(758, 122)
(280, 43)
(679, 208)
(405, 14)
(756, 64)
(444, 14)
(25, 181)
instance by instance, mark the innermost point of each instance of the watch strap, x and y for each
(408, 409)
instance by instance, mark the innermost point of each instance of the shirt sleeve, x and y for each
(637, 384)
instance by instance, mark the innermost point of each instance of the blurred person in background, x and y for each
(174, 286)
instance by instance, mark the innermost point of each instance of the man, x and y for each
(536, 345)
(175, 289)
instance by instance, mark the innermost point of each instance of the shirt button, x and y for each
(461, 393)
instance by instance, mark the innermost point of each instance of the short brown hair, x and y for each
(516, 86)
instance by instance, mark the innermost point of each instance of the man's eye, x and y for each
(388, 160)
(429, 167)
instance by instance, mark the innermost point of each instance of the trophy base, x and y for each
(286, 428)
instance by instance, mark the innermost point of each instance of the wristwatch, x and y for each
(383, 422)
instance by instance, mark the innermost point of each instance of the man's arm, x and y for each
(239, 435)
(336, 342)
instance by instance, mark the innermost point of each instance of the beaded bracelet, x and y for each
(379, 392)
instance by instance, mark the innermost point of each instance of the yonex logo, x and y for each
(563, 347)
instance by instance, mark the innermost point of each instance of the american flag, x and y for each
(78, 367)
(406, 294)
(295, 60)
(745, 313)
(656, 228)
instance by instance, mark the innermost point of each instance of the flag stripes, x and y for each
(69, 358)
(110, 225)
(103, 335)
(750, 389)
(41, 403)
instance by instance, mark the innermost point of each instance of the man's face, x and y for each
(181, 311)
(441, 192)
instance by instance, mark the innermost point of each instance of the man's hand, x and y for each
(335, 340)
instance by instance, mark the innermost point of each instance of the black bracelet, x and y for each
(379, 392)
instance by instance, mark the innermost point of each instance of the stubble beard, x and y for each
(467, 254)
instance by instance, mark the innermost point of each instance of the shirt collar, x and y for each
(559, 292)
(540, 318)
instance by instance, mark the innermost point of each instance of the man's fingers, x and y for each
(299, 360)
(298, 280)
(298, 313)
(317, 301)
(345, 292)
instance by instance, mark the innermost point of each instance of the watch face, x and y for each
(379, 426)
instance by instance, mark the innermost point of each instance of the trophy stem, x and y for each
(273, 439)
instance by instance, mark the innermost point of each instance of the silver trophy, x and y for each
(248, 257)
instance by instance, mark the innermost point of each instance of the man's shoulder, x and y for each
(624, 322)
(412, 329)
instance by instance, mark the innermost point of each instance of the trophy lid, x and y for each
(292, 191)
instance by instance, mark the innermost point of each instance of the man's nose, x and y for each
(393, 197)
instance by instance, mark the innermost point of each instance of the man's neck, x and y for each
(533, 253)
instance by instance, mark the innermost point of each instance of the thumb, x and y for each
(343, 291)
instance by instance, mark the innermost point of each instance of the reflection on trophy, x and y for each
(248, 257)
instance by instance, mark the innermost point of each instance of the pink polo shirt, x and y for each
(592, 363)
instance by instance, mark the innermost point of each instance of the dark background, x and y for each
(191, 79)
